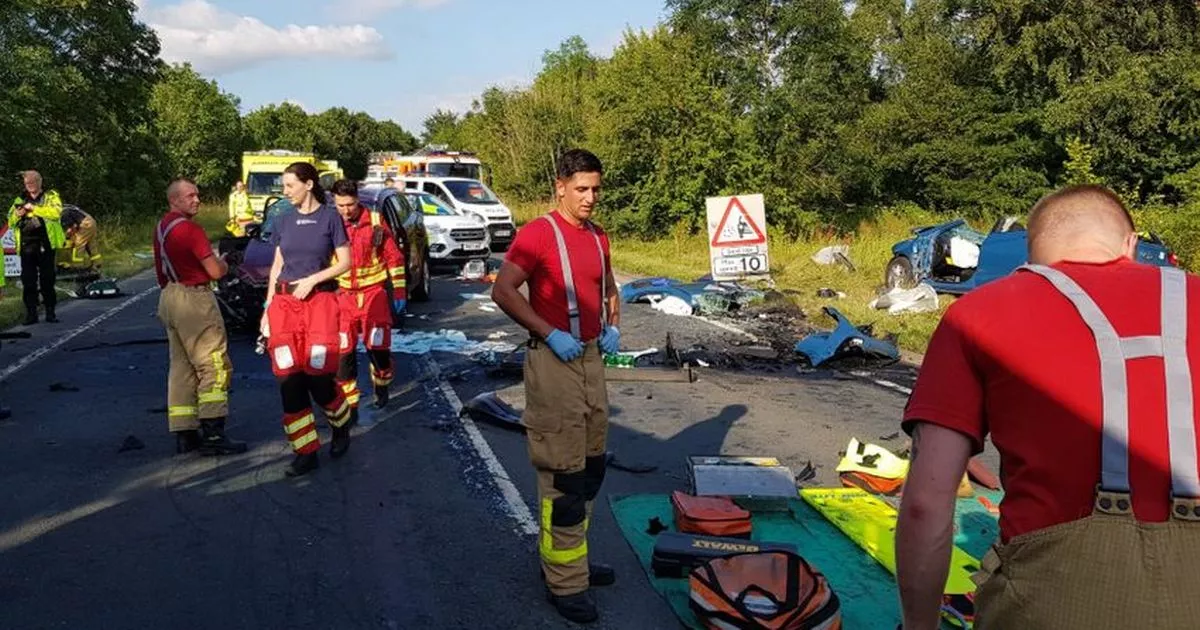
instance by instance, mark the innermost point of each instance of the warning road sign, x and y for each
(736, 227)
(737, 236)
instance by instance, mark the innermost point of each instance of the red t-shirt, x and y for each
(187, 245)
(1014, 359)
(535, 250)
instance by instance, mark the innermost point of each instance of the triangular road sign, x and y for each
(740, 231)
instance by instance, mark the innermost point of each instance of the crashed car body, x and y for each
(845, 341)
(954, 258)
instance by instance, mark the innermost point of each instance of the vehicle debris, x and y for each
(834, 254)
(845, 341)
(454, 341)
(922, 299)
(672, 305)
(488, 407)
(826, 292)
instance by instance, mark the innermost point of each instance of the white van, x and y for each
(470, 197)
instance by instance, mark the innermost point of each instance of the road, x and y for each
(424, 524)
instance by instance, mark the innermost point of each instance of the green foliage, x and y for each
(442, 128)
(199, 127)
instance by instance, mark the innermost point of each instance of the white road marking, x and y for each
(888, 384)
(516, 506)
(28, 359)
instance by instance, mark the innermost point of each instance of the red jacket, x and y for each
(371, 265)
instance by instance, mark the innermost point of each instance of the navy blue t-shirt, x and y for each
(307, 241)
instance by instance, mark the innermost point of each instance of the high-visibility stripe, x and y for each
(296, 426)
(350, 390)
(360, 280)
(218, 359)
(304, 440)
(182, 411)
(341, 409)
(549, 553)
(214, 397)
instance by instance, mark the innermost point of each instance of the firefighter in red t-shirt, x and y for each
(572, 316)
(1077, 366)
(366, 307)
(198, 377)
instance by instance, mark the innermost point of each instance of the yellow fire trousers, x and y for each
(198, 381)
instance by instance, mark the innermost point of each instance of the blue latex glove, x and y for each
(610, 340)
(565, 347)
(399, 305)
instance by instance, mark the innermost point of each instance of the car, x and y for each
(470, 197)
(243, 290)
(452, 236)
(954, 258)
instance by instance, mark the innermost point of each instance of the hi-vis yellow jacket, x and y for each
(47, 208)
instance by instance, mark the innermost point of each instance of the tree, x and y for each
(77, 79)
(199, 127)
(283, 126)
(442, 128)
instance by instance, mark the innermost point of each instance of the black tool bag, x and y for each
(675, 554)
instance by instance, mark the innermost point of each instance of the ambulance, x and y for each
(262, 171)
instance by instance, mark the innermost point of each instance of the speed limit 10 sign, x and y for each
(737, 237)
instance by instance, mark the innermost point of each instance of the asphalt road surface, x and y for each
(425, 524)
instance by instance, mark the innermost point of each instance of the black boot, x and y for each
(302, 464)
(598, 574)
(382, 395)
(578, 607)
(186, 441)
(50, 316)
(31, 317)
(5, 413)
(213, 440)
(340, 442)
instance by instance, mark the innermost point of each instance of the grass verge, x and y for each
(125, 244)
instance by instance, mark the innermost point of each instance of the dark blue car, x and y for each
(954, 258)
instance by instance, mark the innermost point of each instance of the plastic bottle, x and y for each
(619, 360)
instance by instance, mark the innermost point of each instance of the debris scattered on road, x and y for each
(131, 443)
(63, 387)
(826, 292)
(488, 407)
(872, 468)
(806, 474)
(889, 437)
(638, 469)
(672, 305)
(487, 308)
(921, 299)
(845, 341)
(454, 341)
(499, 334)
(474, 296)
(474, 270)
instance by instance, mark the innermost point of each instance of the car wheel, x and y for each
(899, 274)
(420, 292)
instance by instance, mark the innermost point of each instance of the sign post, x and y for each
(12, 261)
(737, 237)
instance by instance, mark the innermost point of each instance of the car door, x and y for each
(1000, 254)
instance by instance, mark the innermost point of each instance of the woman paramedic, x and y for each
(301, 318)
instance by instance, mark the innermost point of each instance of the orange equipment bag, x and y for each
(768, 590)
(710, 516)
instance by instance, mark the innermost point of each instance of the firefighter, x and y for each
(365, 308)
(35, 216)
(80, 230)
(1081, 368)
(301, 319)
(199, 374)
(241, 213)
(572, 315)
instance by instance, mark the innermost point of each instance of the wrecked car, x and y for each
(845, 341)
(703, 296)
(955, 258)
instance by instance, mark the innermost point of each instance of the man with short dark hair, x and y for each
(35, 216)
(366, 306)
(572, 316)
(200, 370)
(1078, 367)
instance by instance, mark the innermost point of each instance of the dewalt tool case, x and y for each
(675, 553)
(709, 516)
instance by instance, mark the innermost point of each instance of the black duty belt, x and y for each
(288, 288)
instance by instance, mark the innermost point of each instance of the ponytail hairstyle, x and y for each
(306, 172)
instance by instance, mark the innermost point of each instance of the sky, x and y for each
(394, 59)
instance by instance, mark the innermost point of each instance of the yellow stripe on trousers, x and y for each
(552, 555)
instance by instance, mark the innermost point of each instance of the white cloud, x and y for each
(215, 40)
(368, 9)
